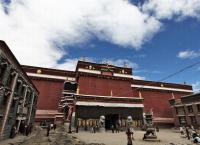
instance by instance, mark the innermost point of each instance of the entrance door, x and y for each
(111, 119)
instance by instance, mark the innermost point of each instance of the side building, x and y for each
(18, 95)
(50, 83)
(186, 110)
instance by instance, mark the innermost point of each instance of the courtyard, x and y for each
(60, 137)
(166, 137)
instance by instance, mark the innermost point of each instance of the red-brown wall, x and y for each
(100, 86)
(158, 101)
(50, 94)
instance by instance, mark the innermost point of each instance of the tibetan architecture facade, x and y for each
(50, 83)
(186, 110)
(95, 89)
(18, 95)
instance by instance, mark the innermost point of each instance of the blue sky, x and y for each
(156, 58)
(155, 37)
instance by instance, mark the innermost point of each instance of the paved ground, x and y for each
(60, 137)
(57, 137)
(167, 137)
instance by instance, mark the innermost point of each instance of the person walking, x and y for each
(54, 126)
(187, 133)
(13, 132)
(129, 134)
(112, 128)
(48, 129)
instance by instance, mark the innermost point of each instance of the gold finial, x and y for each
(77, 90)
(90, 67)
(39, 71)
(173, 96)
(140, 94)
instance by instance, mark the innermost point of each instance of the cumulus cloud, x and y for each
(36, 30)
(70, 64)
(188, 54)
(167, 9)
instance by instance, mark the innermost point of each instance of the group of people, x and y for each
(190, 133)
(24, 129)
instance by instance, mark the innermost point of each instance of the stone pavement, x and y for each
(167, 137)
(60, 137)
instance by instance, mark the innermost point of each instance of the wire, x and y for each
(173, 74)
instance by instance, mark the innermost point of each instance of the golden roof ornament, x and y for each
(39, 71)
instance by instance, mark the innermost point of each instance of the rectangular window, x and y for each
(180, 111)
(198, 107)
(193, 119)
(190, 109)
(182, 120)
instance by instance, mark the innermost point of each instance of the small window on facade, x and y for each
(190, 110)
(180, 111)
(193, 119)
(198, 107)
(182, 120)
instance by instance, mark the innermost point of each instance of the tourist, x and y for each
(54, 126)
(192, 127)
(157, 129)
(77, 129)
(129, 134)
(94, 128)
(28, 129)
(181, 130)
(112, 128)
(48, 129)
(31, 127)
(51, 125)
(187, 133)
(25, 130)
(13, 132)
(117, 127)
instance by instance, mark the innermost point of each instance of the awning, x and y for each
(104, 104)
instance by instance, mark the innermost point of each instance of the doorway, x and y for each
(111, 119)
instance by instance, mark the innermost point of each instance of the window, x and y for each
(180, 111)
(198, 107)
(193, 119)
(182, 120)
(190, 110)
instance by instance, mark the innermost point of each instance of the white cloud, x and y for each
(196, 86)
(37, 30)
(167, 9)
(188, 54)
(70, 64)
(138, 77)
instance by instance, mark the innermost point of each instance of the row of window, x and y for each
(182, 120)
(181, 110)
